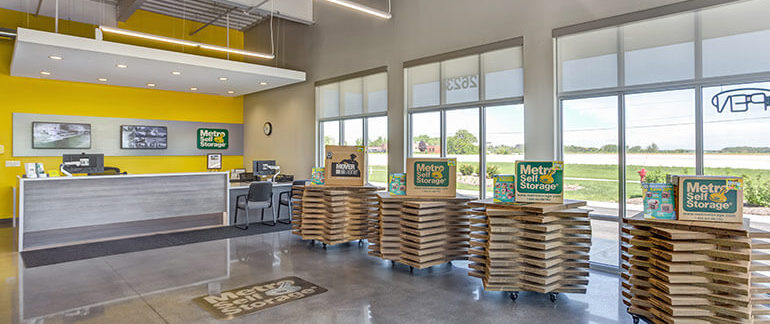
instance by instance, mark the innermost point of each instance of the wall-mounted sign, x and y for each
(213, 139)
(740, 100)
(214, 161)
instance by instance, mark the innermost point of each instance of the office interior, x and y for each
(136, 136)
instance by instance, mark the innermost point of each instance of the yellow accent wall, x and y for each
(31, 95)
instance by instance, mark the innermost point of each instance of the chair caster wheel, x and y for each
(514, 295)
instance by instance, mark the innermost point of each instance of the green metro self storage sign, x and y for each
(213, 139)
(540, 181)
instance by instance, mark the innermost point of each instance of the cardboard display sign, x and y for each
(709, 198)
(504, 188)
(397, 184)
(540, 181)
(345, 165)
(659, 201)
(431, 177)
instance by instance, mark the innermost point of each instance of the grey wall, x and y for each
(105, 136)
(343, 41)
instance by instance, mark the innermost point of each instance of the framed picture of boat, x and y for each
(54, 135)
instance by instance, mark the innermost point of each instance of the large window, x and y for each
(470, 108)
(353, 111)
(672, 95)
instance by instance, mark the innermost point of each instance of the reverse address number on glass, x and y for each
(463, 82)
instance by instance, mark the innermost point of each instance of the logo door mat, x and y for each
(253, 298)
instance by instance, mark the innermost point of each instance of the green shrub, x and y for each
(655, 176)
(466, 169)
(492, 170)
(756, 190)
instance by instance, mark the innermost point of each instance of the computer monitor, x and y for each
(84, 163)
(259, 167)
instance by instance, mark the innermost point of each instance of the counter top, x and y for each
(146, 175)
(245, 185)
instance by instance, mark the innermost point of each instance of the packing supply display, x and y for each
(694, 272)
(420, 232)
(539, 247)
(659, 201)
(540, 181)
(345, 165)
(431, 177)
(334, 214)
(397, 184)
(504, 188)
(709, 198)
(317, 177)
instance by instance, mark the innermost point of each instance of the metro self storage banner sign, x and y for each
(540, 181)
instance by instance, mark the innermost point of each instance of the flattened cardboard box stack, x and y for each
(296, 209)
(695, 272)
(421, 232)
(538, 247)
(335, 214)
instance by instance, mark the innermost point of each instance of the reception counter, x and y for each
(71, 210)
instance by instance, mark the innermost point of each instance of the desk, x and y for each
(242, 188)
(73, 210)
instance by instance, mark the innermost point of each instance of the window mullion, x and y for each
(443, 133)
(482, 152)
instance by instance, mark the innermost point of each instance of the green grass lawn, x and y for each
(588, 189)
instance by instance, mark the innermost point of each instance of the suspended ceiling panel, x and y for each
(87, 60)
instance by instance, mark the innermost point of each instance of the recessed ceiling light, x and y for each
(230, 91)
(222, 79)
(151, 84)
(193, 89)
(176, 73)
(263, 83)
(45, 73)
(121, 66)
(102, 79)
(54, 57)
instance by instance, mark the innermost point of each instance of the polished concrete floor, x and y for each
(157, 286)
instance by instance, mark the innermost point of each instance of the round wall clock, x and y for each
(268, 128)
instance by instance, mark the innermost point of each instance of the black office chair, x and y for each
(260, 196)
(284, 199)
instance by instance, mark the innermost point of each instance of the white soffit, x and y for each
(87, 60)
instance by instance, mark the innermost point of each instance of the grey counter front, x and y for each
(242, 188)
(70, 210)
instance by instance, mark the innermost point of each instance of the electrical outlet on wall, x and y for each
(12, 164)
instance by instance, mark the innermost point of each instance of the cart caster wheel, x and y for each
(514, 295)
(635, 319)
(392, 264)
(411, 269)
(324, 245)
(360, 242)
(552, 297)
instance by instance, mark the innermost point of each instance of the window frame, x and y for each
(341, 118)
(697, 83)
(482, 104)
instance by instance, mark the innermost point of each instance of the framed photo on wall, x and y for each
(214, 161)
(143, 137)
(55, 135)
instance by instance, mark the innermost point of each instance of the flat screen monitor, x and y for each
(88, 163)
(143, 137)
(259, 167)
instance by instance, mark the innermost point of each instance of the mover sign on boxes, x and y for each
(345, 165)
(540, 181)
(715, 199)
(431, 177)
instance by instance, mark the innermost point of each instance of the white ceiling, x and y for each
(87, 60)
